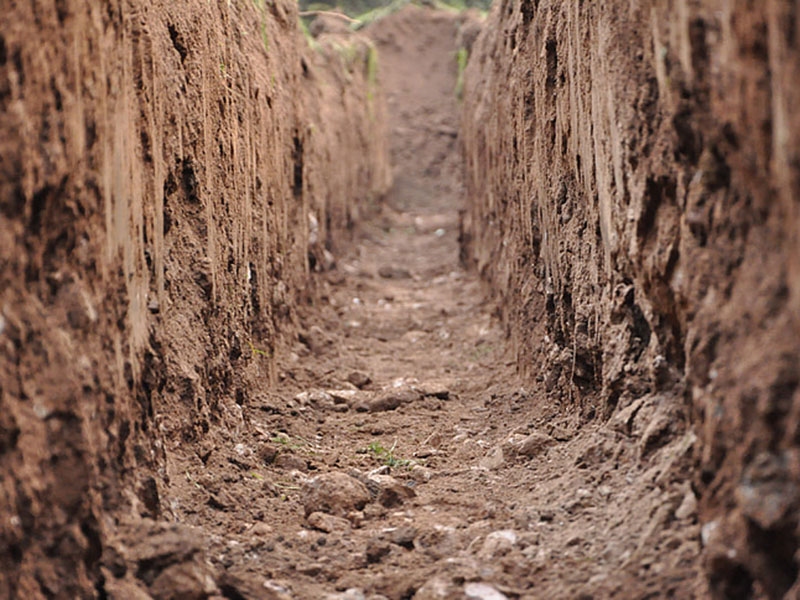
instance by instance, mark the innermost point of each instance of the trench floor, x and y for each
(476, 487)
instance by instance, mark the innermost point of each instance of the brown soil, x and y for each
(634, 160)
(476, 487)
(235, 365)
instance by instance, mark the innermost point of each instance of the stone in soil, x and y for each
(335, 493)
(359, 379)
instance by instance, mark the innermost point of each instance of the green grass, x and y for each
(386, 456)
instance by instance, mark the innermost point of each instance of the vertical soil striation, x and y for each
(164, 194)
(632, 175)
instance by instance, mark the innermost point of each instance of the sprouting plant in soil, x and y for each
(387, 456)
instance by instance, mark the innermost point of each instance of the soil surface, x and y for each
(400, 456)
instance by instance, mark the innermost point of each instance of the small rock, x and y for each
(334, 493)
(291, 462)
(493, 460)
(482, 591)
(437, 588)
(404, 536)
(392, 493)
(186, 581)
(328, 523)
(498, 543)
(534, 444)
(392, 272)
(359, 379)
(267, 453)
(392, 400)
(688, 507)
(260, 530)
(343, 396)
(316, 399)
(436, 389)
(351, 594)
(421, 474)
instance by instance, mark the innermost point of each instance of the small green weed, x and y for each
(386, 456)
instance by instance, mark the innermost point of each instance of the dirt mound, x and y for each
(632, 198)
(165, 190)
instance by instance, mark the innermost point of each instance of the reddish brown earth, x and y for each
(162, 166)
(633, 177)
(235, 363)
(400, 456)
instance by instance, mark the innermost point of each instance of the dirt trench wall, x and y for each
(633, 175)
(170, 173)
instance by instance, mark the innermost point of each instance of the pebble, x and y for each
(392, 272)
(328, 523)
(388, 401)
(316, 399)
(534, 444)
(359, 379)
(350, 594)
(493, 460)
(483, 591)
(688, 507)
(260, 529)
(437, 389)
(334, 493)
(291, 462)
(498, 543)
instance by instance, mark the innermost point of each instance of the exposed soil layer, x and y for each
(170, 174)
(633, 178)
(227, 371)
(399, 455)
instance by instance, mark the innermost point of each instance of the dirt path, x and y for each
(399, 456)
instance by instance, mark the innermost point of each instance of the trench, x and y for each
(400, 454)
(472, 306)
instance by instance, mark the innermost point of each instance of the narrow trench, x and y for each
(406, 460)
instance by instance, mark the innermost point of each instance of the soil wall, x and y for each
(170, 173)
(633, 178)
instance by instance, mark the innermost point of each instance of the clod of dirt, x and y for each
(436, 389)
(392, 493)
(388, 401)
(377, 548)
(498, 543)
(494, 459)
(359, 379)
(328, 523)
(334, 493)
(291, 462)
(170, 560)
(315, 339)
(534, 444)
(243, 585)
(267, 453)
(392, 272)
